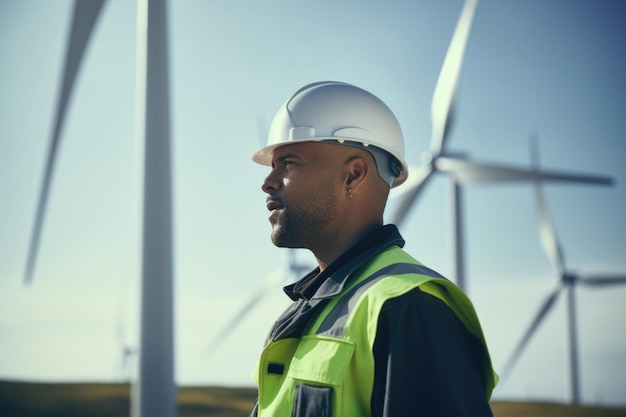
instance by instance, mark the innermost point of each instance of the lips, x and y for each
(274, 204)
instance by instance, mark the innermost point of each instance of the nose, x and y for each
(271, 183)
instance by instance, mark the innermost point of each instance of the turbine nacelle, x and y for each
(569, 278)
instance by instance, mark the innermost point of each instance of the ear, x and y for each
(357, 170)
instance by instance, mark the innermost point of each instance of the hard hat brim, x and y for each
(264, 155)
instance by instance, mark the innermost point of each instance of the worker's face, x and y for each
(302, 189)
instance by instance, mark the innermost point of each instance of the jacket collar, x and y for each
(318, 285)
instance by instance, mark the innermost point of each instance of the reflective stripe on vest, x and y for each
(335, 321)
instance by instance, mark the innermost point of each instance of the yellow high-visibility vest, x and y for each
(329, 371)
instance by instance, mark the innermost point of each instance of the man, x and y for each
(371, 331)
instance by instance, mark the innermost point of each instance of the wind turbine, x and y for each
(294, 270)
(154, 393)
(127, 351)
(121, 370)
(458, 167)
(567, 282)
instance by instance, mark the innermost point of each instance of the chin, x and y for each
(283, 240)
(277, 238)
(280, 243)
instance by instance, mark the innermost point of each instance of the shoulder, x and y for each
(420, 323)
(420, 310)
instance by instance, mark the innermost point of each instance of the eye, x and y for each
(285, 161)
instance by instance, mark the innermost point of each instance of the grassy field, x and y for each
(22, 399)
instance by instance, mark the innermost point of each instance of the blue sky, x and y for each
(551, 67)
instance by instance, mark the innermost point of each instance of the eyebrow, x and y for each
(287, 156)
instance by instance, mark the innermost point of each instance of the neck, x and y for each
(326, 253)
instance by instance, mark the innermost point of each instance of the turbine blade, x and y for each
(547, 233)
(442, 107)
(274, 279)
(602, 280)
(470, 172)
(411, 192)
(408, 185)
(83, 22)
(534, 325)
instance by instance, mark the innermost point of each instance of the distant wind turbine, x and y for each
(281, 275)
(567, 282)
(121, 370)
(458, 167)
(154, 393)
(127, 352)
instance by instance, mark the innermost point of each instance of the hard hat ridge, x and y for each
(346, 114)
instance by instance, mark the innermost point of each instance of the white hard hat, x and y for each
(344, 113)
